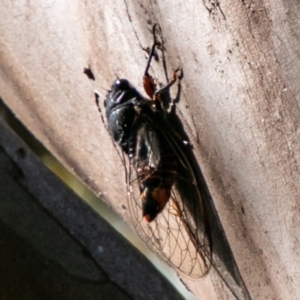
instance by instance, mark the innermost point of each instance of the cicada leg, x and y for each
(148, 80)
(149, 83)
(173, 80)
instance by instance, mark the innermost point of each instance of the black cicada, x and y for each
(165, 202)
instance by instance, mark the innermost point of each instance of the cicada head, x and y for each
(120, 92)
(153, 202)
(120, 104)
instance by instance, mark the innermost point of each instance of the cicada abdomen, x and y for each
(155, 165)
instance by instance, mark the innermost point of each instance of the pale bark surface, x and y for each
(240, 106)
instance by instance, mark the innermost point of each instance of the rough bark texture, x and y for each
(240, 106)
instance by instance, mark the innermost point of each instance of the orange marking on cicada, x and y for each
(149, 85)
(160, 196)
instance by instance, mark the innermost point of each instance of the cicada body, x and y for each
(165, 201)
(133, 123)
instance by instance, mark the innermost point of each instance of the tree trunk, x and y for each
(239, 105)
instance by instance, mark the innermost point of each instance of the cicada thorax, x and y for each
(154, 162)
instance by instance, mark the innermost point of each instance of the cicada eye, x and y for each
(122, 84)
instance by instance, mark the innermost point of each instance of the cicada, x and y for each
(164, 197)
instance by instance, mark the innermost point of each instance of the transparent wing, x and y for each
(180, 233)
